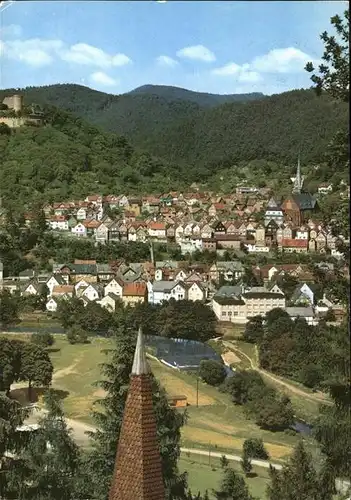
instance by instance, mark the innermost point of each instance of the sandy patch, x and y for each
(177, 386)
(230, 358)
(100, 393)
(66, 371)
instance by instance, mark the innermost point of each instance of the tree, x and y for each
(36, 367)
(212, 372)
(43, 339)
(254, 448)
(186, 320)
(334, 72)
(242, 387)
(77, 335)
(51, 459)
(246, 463)
(116, 373)
(254, 331)
(269, 410)
(11, 441)
(9, 309)
(10, 362)
(224, 461)
(297, 479)
(233, 487)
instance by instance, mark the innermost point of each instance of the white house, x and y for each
(59, 222)
(325, 188)
(158, 291)
(196, 292)
(54, 280)
(30, 289)
(302, 312)
(79, 230)
(91, 292)
(302, 233)
(256, 248)
(179, 232)
(51, 305)
(82, 284)
(157, 230)
(303, 295)
(109, 302)
(101, 233)
(180, 276)
(113, 287)
(81, 213)
(190, 245)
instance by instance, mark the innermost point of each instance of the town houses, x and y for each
(252, 221)
(248, 221)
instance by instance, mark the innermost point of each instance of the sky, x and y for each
(214, 46)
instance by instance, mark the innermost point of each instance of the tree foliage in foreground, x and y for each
(299, 479)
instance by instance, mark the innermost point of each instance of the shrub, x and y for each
(44, 339)
(254, 448)
(212, 372)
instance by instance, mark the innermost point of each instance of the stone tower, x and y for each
(138, 470)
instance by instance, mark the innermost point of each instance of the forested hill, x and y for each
(68, 158)
(203, 99)
(272, 128)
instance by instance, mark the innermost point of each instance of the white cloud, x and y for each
(249, 77)
(227, 70)
(102, 79)
(82, 53)
(241, 73)
(166, 61)
(288, 60)
(12, 30)
(197, 52)
(34, 52)
(38, 52)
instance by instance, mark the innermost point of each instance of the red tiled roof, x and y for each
(134, 289)
(294, 243)
(62, 289)
(58, 218)
(219, 206)
(157, 226)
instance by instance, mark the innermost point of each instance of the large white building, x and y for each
(232, 304)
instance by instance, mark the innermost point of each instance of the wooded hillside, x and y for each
(272, 128)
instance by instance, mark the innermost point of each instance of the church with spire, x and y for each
(300, 205)
(138, 469)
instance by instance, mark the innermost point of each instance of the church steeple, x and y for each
(298, 180)
(138, 469)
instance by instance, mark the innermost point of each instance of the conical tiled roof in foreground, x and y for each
(138, 471)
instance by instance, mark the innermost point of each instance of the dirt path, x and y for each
(318, 397)
(65, 371)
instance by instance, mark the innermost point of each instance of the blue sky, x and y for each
(214, 46)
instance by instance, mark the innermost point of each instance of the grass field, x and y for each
(216, 423)
(205, 473)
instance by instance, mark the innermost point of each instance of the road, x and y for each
(319, 398)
